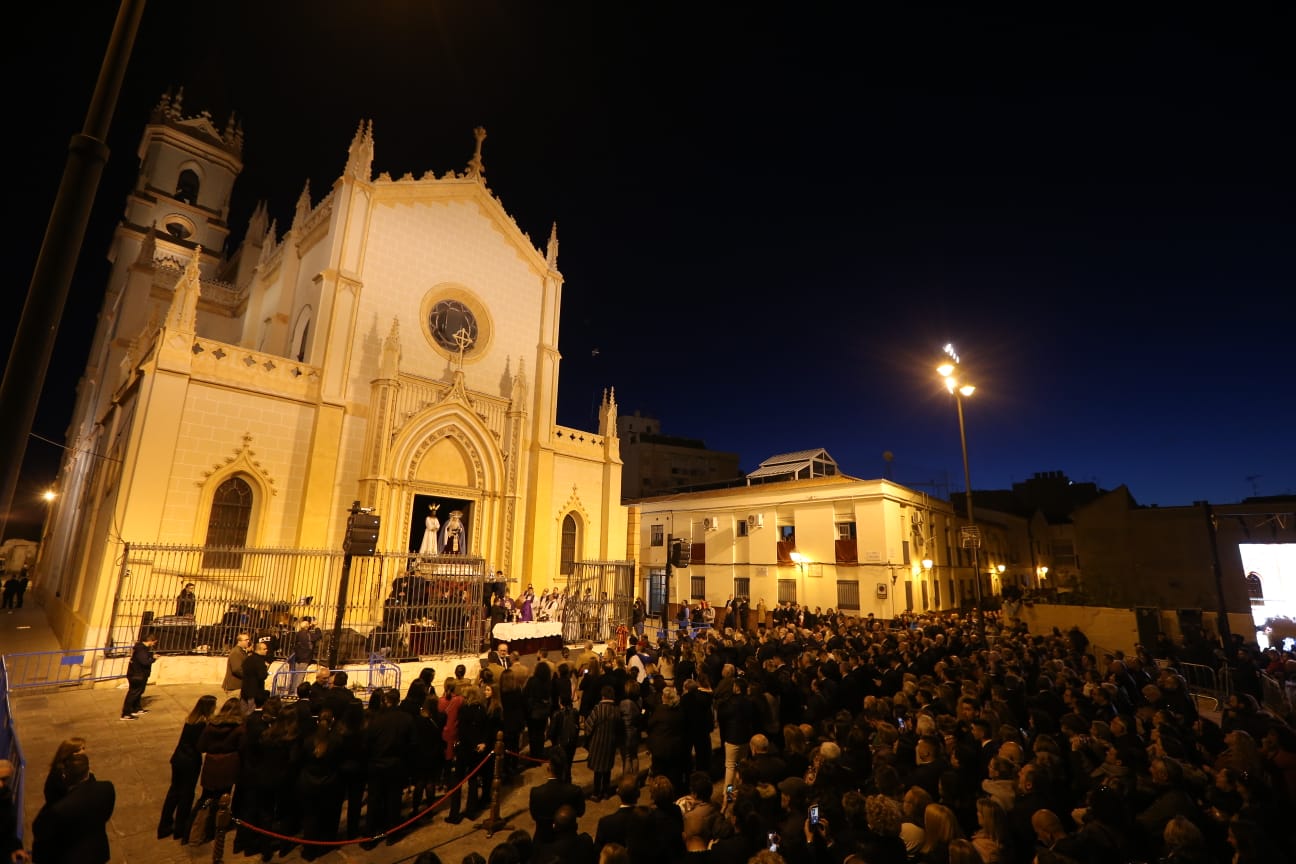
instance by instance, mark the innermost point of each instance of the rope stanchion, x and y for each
(495, 823)
(223, 819)
(266, 832)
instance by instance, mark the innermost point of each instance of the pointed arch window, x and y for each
(1255, 588)
(567, 563)
(187, 186)
(227, 526)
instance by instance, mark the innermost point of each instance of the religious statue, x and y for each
(430, 532)
(452, 542)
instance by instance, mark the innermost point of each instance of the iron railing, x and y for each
(599, 596)
(395, 605)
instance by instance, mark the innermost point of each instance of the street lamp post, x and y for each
(948, 370)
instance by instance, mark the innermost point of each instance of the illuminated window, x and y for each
(568, 562)
(227, 526)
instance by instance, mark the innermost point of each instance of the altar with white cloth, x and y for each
(528, 637)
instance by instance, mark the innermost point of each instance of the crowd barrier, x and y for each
(10, 746)
(378, 673)
(67, 668)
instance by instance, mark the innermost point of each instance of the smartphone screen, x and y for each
(814, 814)
(773, 841)
(729, 790)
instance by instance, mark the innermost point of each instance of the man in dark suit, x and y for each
(73, 829)
(567, 845)
(551, 795)
(389, 746)
(626, 821)
(256, 669)
(137, 674)
(337, 697)
(499, 657)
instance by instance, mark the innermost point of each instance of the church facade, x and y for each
(396, 346)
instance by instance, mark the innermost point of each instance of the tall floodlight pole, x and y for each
(51, 281)
(948, 370)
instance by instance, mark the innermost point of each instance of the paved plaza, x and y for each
(134, 756)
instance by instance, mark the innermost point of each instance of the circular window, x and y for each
(453, 326)
(456, 322)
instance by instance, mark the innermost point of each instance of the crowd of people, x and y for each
(930, 739)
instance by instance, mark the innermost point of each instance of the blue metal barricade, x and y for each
(68, 668)
(378, 672)
(11, 746)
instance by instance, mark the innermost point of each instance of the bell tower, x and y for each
(178, 208)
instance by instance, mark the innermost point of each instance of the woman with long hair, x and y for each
(56, 781)
(469, 751)
(319, 786)
(991, 837)
(278, 764)
(186, 763)
(429, 753)
(220, 743)
(940, 829)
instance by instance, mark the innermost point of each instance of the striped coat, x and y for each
(606, 730)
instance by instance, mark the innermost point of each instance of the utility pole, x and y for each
(51, 281)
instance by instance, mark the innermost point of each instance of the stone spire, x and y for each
(518, 396)
(608, 413)
(303, 207)
(551, 255)
(183, 314)
(389, 363)
(360, 155)
(476, 168)
(148, 248)
(259, 221)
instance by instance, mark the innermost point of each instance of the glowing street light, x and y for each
(948, 370)
(49, 495)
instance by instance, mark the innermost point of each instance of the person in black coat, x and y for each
(665, 739)
(186, 764)
(625, 823)
(698, 705)
(549, 796)
(256, 668)
(73, 830)
(389, 747)
(566, 845)
(137, 674)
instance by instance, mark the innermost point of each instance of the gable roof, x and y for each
(798, 465)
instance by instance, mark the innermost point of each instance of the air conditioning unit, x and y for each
(756, 520)
(710, 523)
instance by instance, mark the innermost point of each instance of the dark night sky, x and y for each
(771, 220)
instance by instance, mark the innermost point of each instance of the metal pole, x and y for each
(47, 294)
(967, 481)
(665, 612)
(343, 584)
(1222, 625)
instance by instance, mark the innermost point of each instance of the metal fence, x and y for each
(379, 673)
(1204, 683)
(600, 595)
(65, 669)
(11, 748)
(392, 605)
